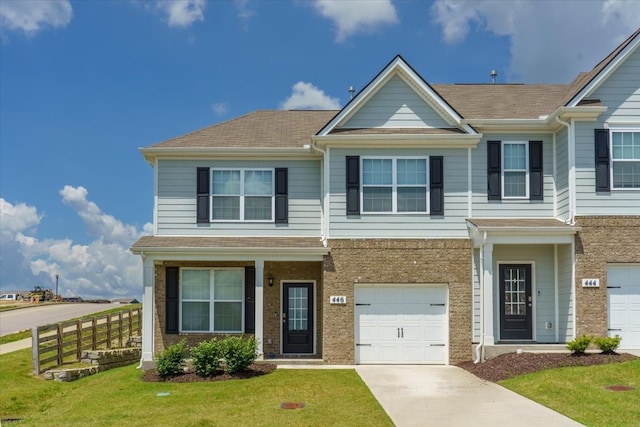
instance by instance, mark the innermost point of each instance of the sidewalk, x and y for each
(15, 346)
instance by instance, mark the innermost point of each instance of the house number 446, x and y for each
(338, 299)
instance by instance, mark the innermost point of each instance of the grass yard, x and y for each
(580, 393)
(118, 396)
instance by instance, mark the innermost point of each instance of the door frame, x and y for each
(498, 302)
(314, 289)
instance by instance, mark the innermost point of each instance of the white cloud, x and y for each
(244, 12)
(306, 96)
(34, 15)
(104, 268)
(182, 13)
(550, 41)
(220, 108)
(355, 16)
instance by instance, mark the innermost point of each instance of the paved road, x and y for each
(26, 318)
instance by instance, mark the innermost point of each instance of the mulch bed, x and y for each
(255, 370)
(512, 364)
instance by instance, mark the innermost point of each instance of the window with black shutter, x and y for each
(602, 160)
(353, 185)
(436, 185)
(282, 198)
(494, 170)
(171, 300)
(536, 176)
(203, 194)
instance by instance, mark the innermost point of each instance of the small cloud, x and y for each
(357, 16)
(182, 13)
(306, 96)
(220, 108)
(34, 15)
(244, 13)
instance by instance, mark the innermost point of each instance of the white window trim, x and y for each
(613, 130)
(211, 302)
(394, 185)
(242, 195)
(526, 170)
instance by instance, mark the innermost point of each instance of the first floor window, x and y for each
(625, 159)
(242, 194)
(514, 170)
(394, 185)
(211, 300)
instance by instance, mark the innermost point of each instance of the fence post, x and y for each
(60, 348)
(120, 329)
(139, 315)
(94, 333)
(35, 350)
(109, 331)
(79, 338)
(130, 323)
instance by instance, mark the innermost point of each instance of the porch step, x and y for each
(492, 351)
(293, 361)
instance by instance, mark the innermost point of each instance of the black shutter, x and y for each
(353, 185)
(282, 198)
(436, 185)
(250, 300)
(171, 300)
(536, 177)
(203, 195)
(602, 160)
(494, 169)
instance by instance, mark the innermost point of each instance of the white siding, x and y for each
(396, 105)
(621, 94)
(176, 209)
(420, 226)
(565, 298)
(512, 208)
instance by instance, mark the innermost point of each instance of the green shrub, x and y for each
(580, 344)
(171, 361)
(206, 357)
(608, 345)
(239, 353)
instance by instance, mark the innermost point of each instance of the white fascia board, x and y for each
(583, 113)
(532, 239)
(229, 153)
(604, 74)
(233, 254)
(400, 140)
(511, 125)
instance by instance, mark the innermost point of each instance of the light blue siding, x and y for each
(396, 105)
(562, 174)
(452, 225)
(176, 210)
(565, 297)
(509, 207)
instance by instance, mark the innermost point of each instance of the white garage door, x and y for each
(623, 291)
(401, 325)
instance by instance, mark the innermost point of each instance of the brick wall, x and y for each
(395, 261)
(601, 240)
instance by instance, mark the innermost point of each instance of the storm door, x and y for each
(297, 318)
(516, 315)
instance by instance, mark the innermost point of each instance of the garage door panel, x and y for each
(623, 300)
(397, 325)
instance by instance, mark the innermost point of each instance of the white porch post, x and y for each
(259, 306)
(487, 282)
(148, 281)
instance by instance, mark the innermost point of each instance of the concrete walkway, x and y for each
(15, 346)
(451, 396)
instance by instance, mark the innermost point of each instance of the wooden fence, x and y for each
(59, 343)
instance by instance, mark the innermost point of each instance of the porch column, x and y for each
(487, 283)
(259, 307)
(148, 282)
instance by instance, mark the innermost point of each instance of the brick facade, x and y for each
(408, 261)
(601, 240)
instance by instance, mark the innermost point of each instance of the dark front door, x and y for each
(515, 302)
(297, 318)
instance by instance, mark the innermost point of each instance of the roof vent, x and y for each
(493, 75)
(351, 91)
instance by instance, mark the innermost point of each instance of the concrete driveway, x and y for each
(451, 396)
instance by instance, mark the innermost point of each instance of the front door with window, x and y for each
(297, 318)
(515, 302)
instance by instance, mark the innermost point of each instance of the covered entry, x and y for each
(623, 295)
(401, 324)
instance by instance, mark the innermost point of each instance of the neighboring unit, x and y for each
(421, 223)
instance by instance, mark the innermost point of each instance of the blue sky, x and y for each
(84, 84)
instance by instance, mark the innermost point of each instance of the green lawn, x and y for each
(332, 397)
(580, 393)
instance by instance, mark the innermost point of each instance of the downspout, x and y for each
(143, 256)
(480, 345)
(571, 177)
(325, 186)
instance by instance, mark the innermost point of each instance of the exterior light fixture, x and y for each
(270, 280)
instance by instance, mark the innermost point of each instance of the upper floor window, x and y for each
(515, 173)
(394, 184)
(242, 194)
(625, 159)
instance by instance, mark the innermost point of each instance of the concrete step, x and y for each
(293, 361)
